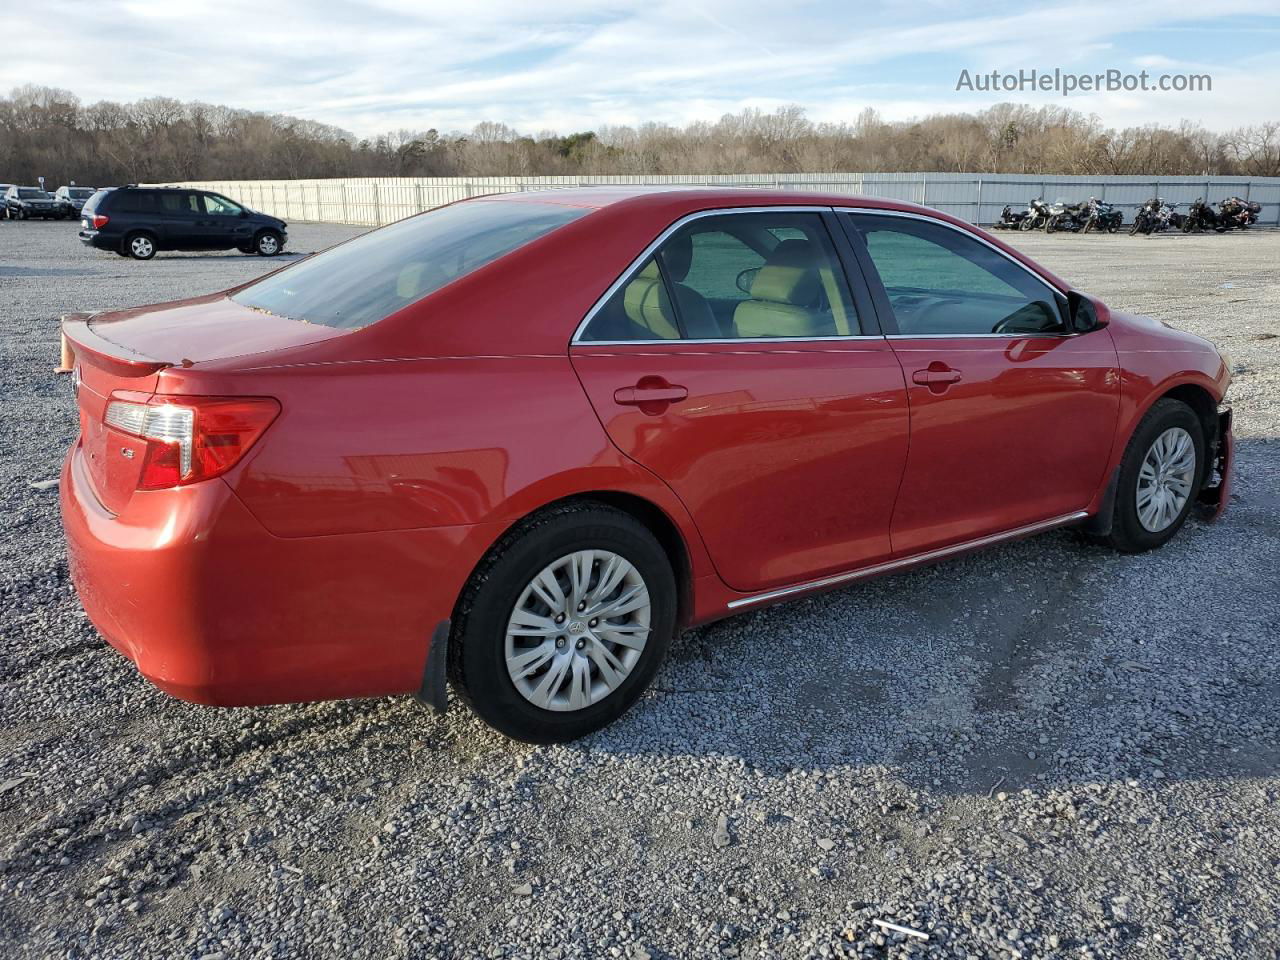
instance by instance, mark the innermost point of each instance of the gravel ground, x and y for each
(1046, 750)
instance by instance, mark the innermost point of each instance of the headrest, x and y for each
(677, 256)
(645, 303)
(788, 275)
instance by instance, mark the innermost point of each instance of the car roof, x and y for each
(681, 199)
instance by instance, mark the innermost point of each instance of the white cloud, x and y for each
(385, 64)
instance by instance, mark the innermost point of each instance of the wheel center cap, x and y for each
(576, 627)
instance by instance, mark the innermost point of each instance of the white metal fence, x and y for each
(978, 198)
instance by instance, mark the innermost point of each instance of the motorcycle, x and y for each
(1009, 220)
(1147, 217)
(1070, 217)
(1037, 215)
(1156, 216)
(1238, 214)
(1102, 216)
(1170, 219)
(1200, 217)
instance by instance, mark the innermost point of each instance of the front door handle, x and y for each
(937, 377)
(651, 394)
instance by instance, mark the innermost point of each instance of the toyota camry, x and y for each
(515, 444)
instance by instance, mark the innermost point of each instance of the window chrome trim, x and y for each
(891, 565)
(652, 248)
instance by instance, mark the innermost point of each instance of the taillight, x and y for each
(191, 438)
(99, 221)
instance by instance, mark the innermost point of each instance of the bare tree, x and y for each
(47, 131)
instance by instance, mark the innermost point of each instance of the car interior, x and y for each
(732, 277)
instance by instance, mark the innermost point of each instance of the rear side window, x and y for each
(735, 276)
(131, 201)
(182, 203)
(371, 277)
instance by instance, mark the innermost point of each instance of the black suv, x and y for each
(23, 203)
(138, 221)
(70, 200)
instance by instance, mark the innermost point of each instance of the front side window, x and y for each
(735, 276)
(942, 282)
(371, 277)
(220, 206)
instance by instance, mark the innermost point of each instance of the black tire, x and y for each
(1137, 224)
(140, 245)
(1128, 535)
(1050, 225)
(477, 657)
(268, 243)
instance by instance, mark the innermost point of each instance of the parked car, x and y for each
(71, 200)
(520, 441)
(139, 221)
(26, 203)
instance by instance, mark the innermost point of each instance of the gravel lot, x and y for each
(1046, 750)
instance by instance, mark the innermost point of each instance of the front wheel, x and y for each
(1160, 475)
(268, 243)
(564, 624)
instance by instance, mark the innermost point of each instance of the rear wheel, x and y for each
(268, 243)
(1160, 475)
(564, 624)
(140, 246)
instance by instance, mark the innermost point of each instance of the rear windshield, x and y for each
(94, 202)
(31, 193)
(81, 192)
(374, 275)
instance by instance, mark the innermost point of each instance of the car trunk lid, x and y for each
(123, 355)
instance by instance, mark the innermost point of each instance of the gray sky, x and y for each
(571, 65)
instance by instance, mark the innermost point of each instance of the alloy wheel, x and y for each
(268, 245)
(578, 630)
(1165, 479)
(141, 247)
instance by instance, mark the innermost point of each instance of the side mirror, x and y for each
(1084, 315)
(244, 214)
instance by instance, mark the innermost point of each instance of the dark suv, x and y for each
(138, 221)
(70, 200)
(24, 203)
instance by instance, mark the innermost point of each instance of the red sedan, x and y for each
(519, 442)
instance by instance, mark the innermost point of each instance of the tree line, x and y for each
(48, 132)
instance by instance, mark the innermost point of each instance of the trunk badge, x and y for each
(126, 453)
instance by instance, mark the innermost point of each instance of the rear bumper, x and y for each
(214, 609)
(93, 238)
